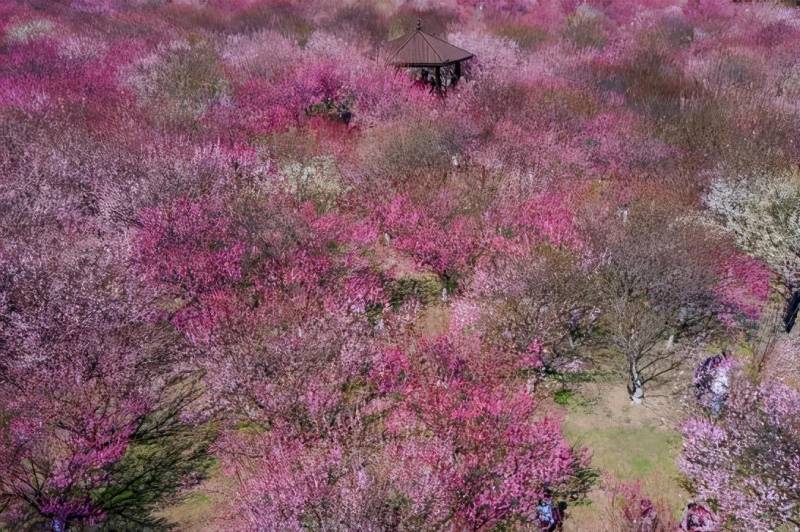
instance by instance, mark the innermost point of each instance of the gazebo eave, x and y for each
(433, 64)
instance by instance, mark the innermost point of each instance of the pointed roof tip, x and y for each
(419, 24)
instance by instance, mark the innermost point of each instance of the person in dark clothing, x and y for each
(698, 518)
(548, 514)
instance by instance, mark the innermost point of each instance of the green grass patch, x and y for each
(426, 288)
(578, 377)
(643, 453)
(563, 397)
(572, 399)
(631, 452)
(195, 511)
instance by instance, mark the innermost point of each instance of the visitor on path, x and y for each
(648, 515)
(548, 515)
(712, 382)
(698, 518)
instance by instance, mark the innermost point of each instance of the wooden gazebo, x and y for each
(420, 49)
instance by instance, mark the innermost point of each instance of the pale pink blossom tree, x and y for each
(746, 465)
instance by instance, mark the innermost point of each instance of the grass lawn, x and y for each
(197, 509)
(628, 442)
(193, 513)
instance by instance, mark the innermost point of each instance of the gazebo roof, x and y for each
(420, 49)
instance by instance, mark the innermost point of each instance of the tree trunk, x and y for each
(792, 307)
(635, 385)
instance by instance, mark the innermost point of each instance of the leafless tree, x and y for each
(655, 285)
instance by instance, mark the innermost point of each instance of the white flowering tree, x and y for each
(763, 212)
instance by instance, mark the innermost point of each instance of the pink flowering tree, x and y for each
(632, 510)
(539, 298)
(459, 448)
(543, 218)
(499, 456)
(191, 248)
(436, 236)
(743, 288)
(93, 409)
(222, 262)
(746, 464)
(277, 298)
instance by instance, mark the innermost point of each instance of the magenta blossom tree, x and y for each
(632, 510)
(501, 455)
(462, 448)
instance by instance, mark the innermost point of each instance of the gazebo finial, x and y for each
(419, 23)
